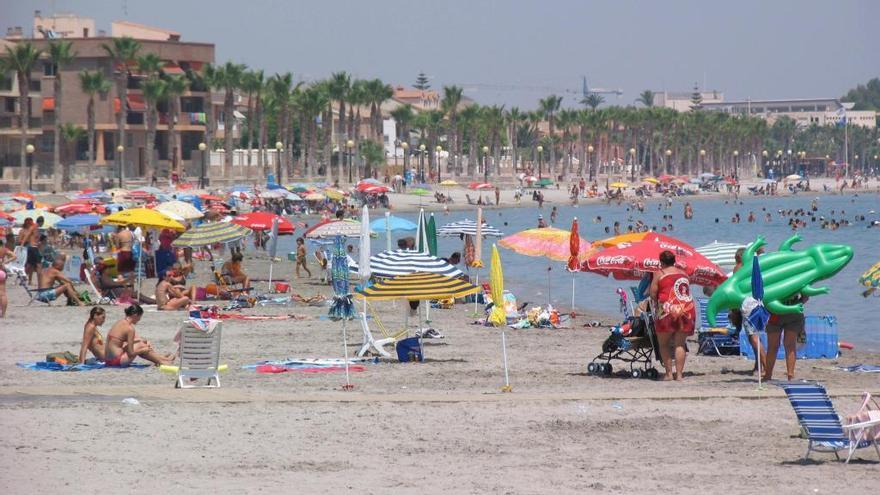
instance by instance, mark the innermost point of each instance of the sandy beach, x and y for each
(439, 426)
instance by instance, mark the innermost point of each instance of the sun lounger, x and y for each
(371, 341)
(820, 421)
(718, 340)
(199, 354)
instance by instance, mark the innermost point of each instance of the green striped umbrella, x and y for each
(211, 233)
(431, 231)
(721, 253)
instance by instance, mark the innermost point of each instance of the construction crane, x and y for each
(583, 92)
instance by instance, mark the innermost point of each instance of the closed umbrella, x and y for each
(574, 261)
(498, 316)
(342, 307)
(422, 233)
(431, 233)
(753, 310)
(364, 249)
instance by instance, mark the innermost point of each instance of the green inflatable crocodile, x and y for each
(785, 274)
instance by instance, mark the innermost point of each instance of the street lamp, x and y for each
(485, 164)
(632, 164)
(349, 145)
(405, 147)
(29, 150)
(438, 149)
(590, 158)
(202, 148)
(540, 150)
(668, 155)
(702, 160)
(119, 157)
(421, 174)
(279, 148)
(736, 163)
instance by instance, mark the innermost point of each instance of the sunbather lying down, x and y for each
(316, 300)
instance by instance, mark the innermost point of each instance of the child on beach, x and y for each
(301, 258)
(92, 340)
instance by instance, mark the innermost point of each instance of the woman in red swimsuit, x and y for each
(124, 344)
(671, 294)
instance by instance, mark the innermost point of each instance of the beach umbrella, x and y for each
(78, 222)
(342, 307)
(753, 310)
(369, 181)
(650, 180)
(143, 217)
(618, 185)
(467, 227)
(422, 233)
(721, 253)
(314, 196)
(871, 279)
(479, 186)
(574, 261)
(391, 223)
(78, 208)
(793, 177)
(431, 233)
(630, 261)
(334, 194)
(333, 228)
(418, 191)
(768, 181)
(208, 234)
(498, 316)
(262, 220)
(418, 286)
(402, 261)
(182, 209)
(548, 242)
(49, 219)
(364, 247)
(448, 183)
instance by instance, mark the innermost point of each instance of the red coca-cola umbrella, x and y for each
(262, 220)
(76, 208)
(629, 261)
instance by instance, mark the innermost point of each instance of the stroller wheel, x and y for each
(636, 373)
(607, 369)
(653, 373)
(591, 368)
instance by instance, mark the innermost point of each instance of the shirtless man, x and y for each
(48, 292)
(28, 238)
(170, 297)
(124, 345)
(124, 257)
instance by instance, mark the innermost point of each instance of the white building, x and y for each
(681, 101)
(806, 112)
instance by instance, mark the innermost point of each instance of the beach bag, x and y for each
(65, 357)
(869, 411)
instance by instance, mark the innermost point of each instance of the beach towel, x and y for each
(308, 365)
(48, 366)
(239, 316)
(273, 369)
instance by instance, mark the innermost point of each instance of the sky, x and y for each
(515, 52)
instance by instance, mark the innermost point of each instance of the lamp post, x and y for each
(421, 173)
(540, 150)
(790, 167)
(437, 150)
(202, 148)
(702, 160)
(29, 150)
(668, 157)
(279, 148)
(121, 159)
(590, 160)
(632, 164)
(485, 164)
(736, 163)
(405, 147)
(349, 145)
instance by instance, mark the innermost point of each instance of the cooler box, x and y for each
(409, 350)
(291, 256)
(821, 340)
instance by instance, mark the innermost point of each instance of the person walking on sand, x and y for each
(791, 330)
(301, 256)
(671, 295)
(124, 345)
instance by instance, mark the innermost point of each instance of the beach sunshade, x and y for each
(333, 228)
(314, 196)
(418, 191)
(449, 182)
(422, 233)
(650, 180)
(793, 177)
(467, 227)
(401, 262)
(548, 242)
(49, 218)
(721, 253)
(394, 224)
(498, 316)
(574, 245)
(630, 261)
(78, 222)
(207, 234)
(143, 217)
(334, 194)
(768, 181)
(181, 209)
(419, 286)
(431, 233)
(478, 186)
(77, 208)
(262, 220)
(618, 185)
(478, 241)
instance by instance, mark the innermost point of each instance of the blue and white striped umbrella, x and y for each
(467, 227)
(721, 253)
(401, 262)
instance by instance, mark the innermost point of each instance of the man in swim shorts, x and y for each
(48, 291)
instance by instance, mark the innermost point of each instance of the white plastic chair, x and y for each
(199, 357)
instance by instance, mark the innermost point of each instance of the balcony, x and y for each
(11, 122)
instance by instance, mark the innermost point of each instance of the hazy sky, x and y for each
(745, 48)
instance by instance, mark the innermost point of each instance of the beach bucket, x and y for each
(409, 350)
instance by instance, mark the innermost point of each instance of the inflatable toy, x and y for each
(785, 274)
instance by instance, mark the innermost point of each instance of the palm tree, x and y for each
(593, 100)
(493, 122)
(339, 86)
(60, 54)
(122, 51)
(279, 86)
(70, 136)
(92, 83)
(373, 155)
(403, 117)
(468, 120)
(251, 83)
(154, 92)
(175, 86)
(549, 106)
(229, 76)
(377, 93)
(451, 101)
(514, 118)
(21, 58)
(646, 98)
(566, 120)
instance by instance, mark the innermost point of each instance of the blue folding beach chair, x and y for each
(717, 340)
(820, 421)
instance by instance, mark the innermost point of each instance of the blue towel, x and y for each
(47, 366)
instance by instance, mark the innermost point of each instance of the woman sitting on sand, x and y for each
(671, 294)
(123, 344)
(92, 340)
(233, 274)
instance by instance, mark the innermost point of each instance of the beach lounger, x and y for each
(718, 340)
(820, 421)
(72, 269)
(370, 341)
(199, 354)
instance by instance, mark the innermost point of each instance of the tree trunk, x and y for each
(173, 138)
(70, 152)
(327, 127)
(152, 117)
(58, 182)
(209, 131)
(261, 136)
(250, 132)
(121, 119)
(90, 111)
(23, 120)
(228, 117)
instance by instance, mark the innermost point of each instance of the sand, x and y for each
(439, 426)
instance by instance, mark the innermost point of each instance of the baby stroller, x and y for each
(632, 342)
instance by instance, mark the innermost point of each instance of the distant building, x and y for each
(420, 99)
(682, 101)
(806, 112)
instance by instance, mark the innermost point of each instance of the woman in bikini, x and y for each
(123, 344)
(671, 295)
(5, 256)
(301, 257)
(92, 339)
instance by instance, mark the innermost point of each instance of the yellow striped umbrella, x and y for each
(498, 316)
(212, 233)
(419, 286)
(143, 217)
(549, 242)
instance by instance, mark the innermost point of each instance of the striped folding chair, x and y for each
(818, 418)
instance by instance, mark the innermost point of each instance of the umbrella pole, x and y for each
(348, 385)
(475, 295)
(271, 266)
(758, 358)
(387, 231)
(139, 262)
(548, 286)
(506, 387)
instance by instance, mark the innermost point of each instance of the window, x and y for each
(35, 85)
(49, 69)
(46, 142)
(9, 104)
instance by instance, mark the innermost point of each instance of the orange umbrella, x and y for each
(574, 243)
